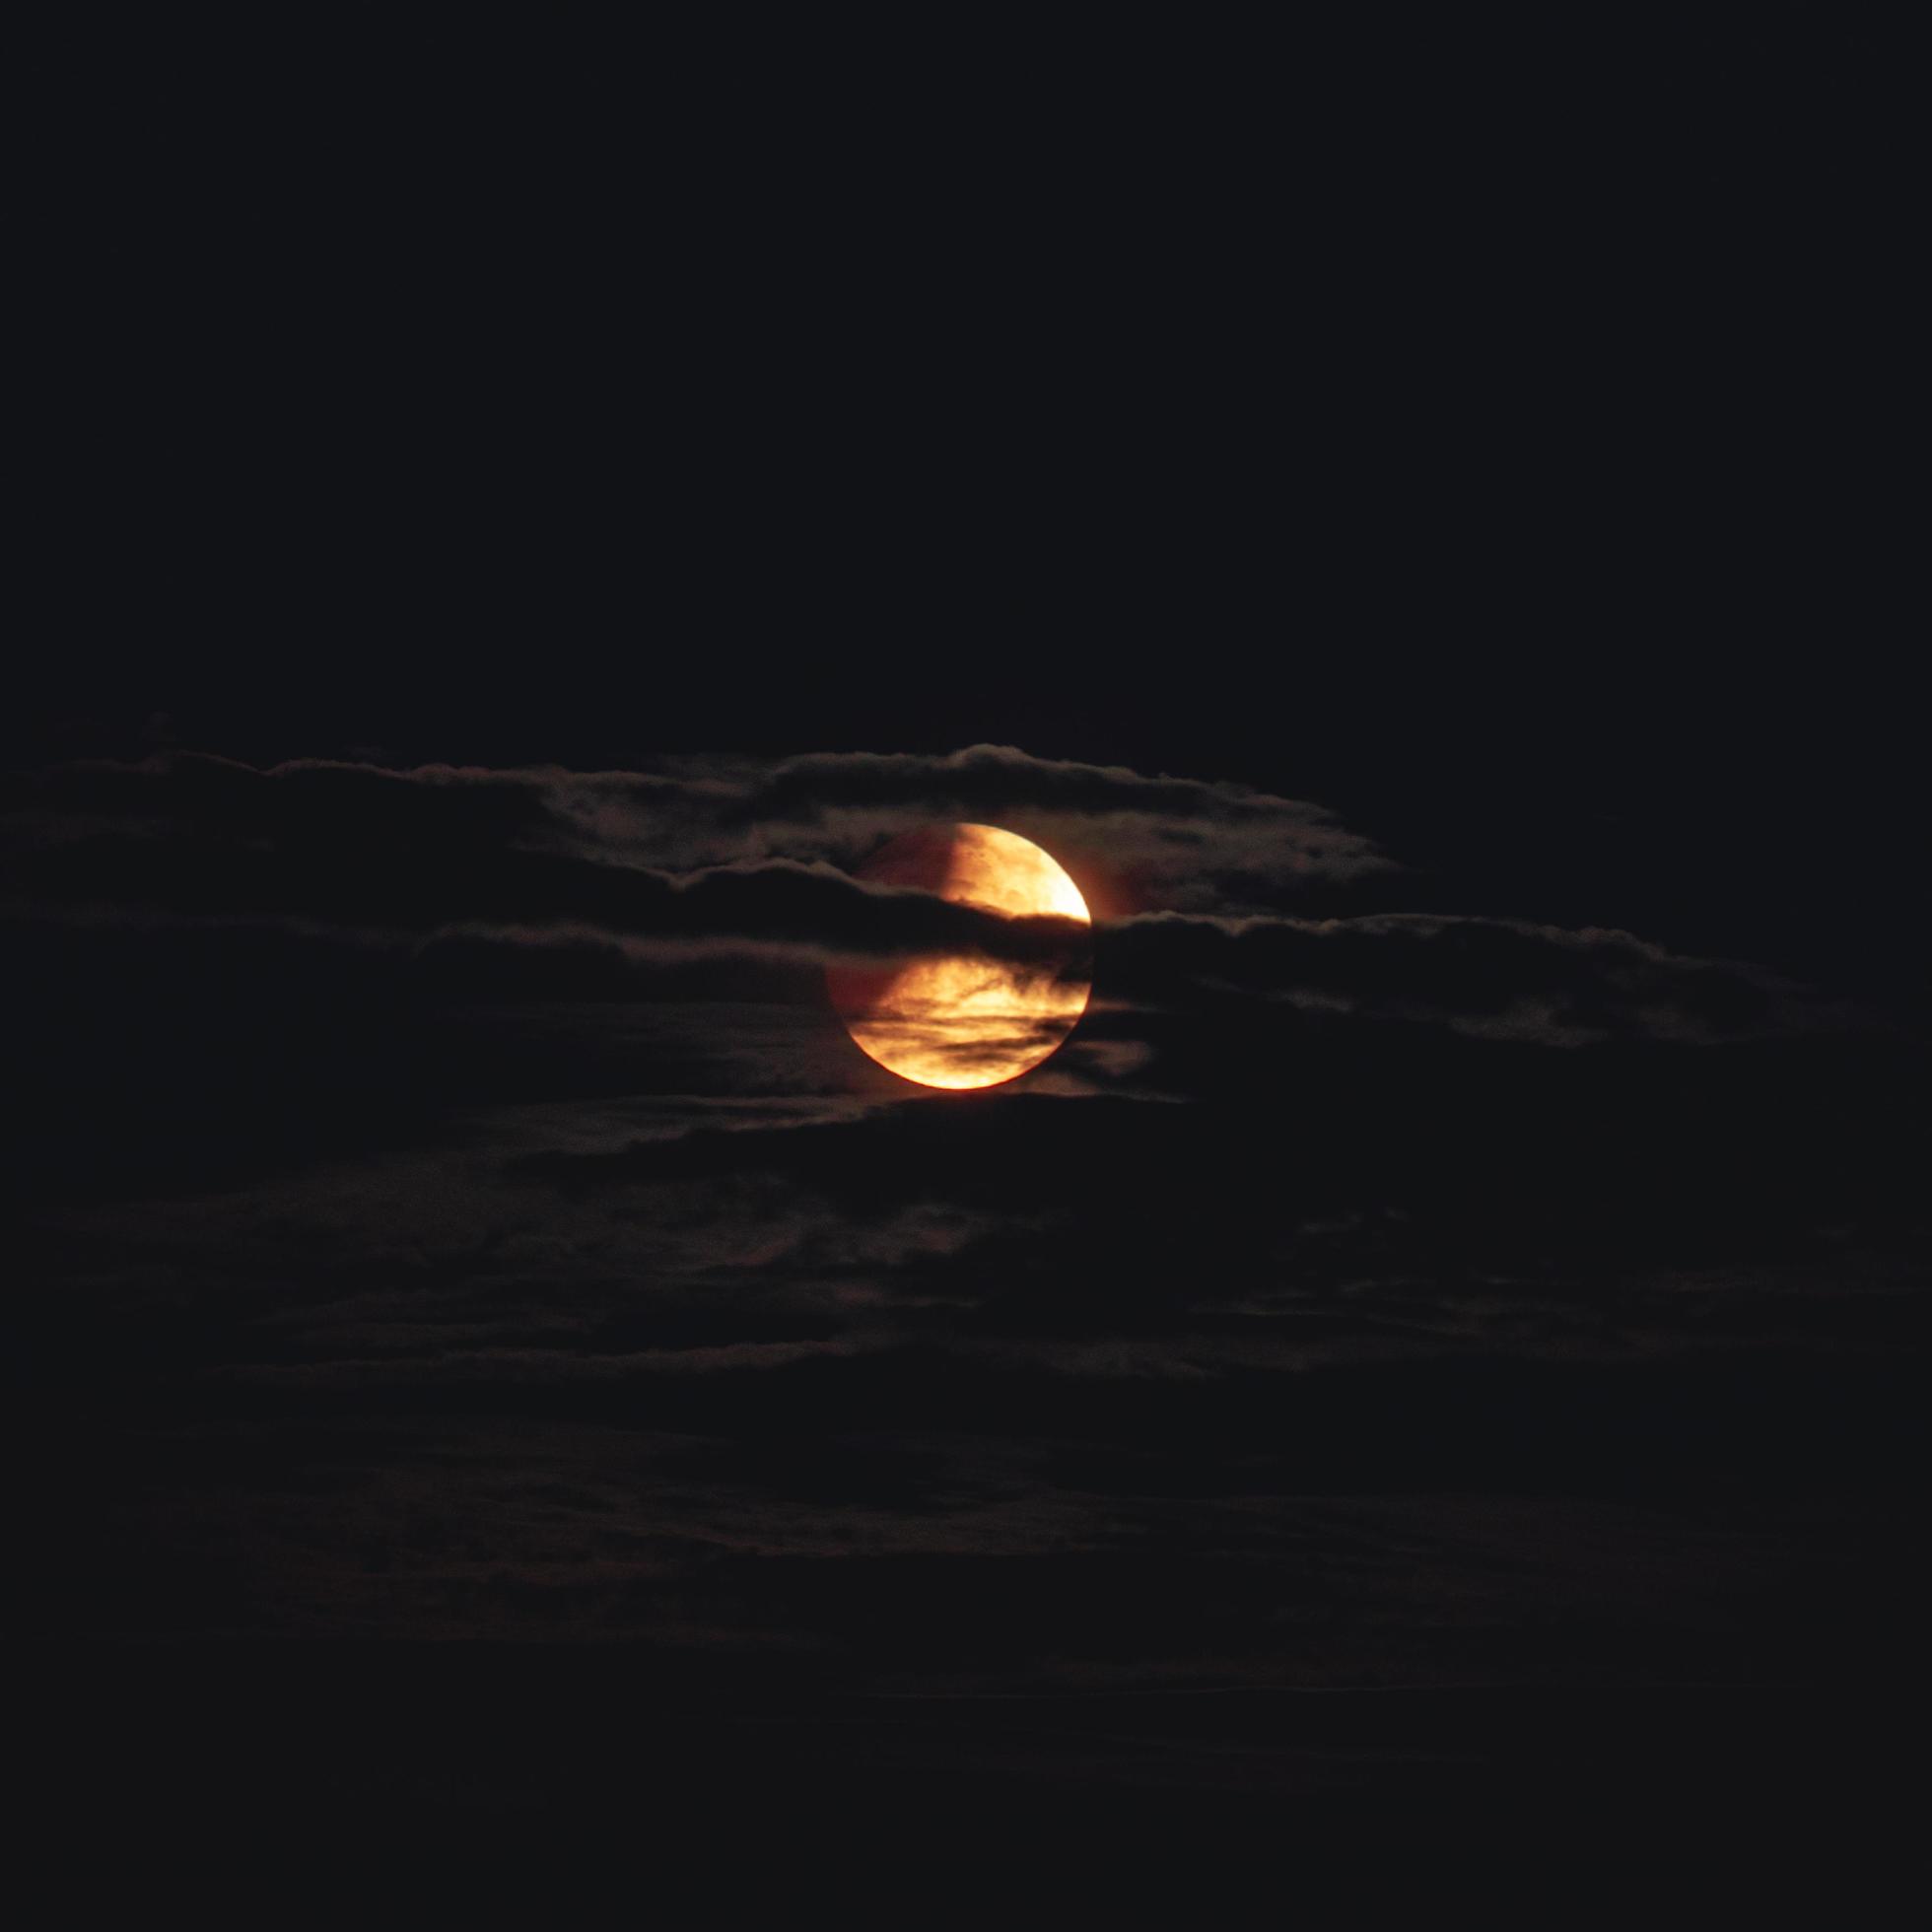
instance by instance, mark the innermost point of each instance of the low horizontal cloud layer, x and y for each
(1509, 979)
(1181, 834)
(1182, 840)
(776, 906)
(546, 858)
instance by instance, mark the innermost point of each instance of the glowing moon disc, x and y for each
(964, 1019)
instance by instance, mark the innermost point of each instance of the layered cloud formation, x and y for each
(453, 1210)
(1200, 885)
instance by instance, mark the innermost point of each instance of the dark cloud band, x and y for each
(534, 855)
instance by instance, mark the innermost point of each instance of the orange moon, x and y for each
(961, 1019)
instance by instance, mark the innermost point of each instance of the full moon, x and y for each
(962, 1019)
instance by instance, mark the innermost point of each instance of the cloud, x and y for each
(1173, 838)
(380, 886)
(1494, 978)
(1178, 829)
(543, 859)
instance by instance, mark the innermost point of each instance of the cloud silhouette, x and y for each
(549, 858)
(1505, 979)
(1179, 834)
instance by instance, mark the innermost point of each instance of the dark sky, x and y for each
(1411, 512)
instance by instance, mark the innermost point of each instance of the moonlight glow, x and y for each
(962, 1019)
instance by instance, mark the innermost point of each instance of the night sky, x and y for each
(1411, 514)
